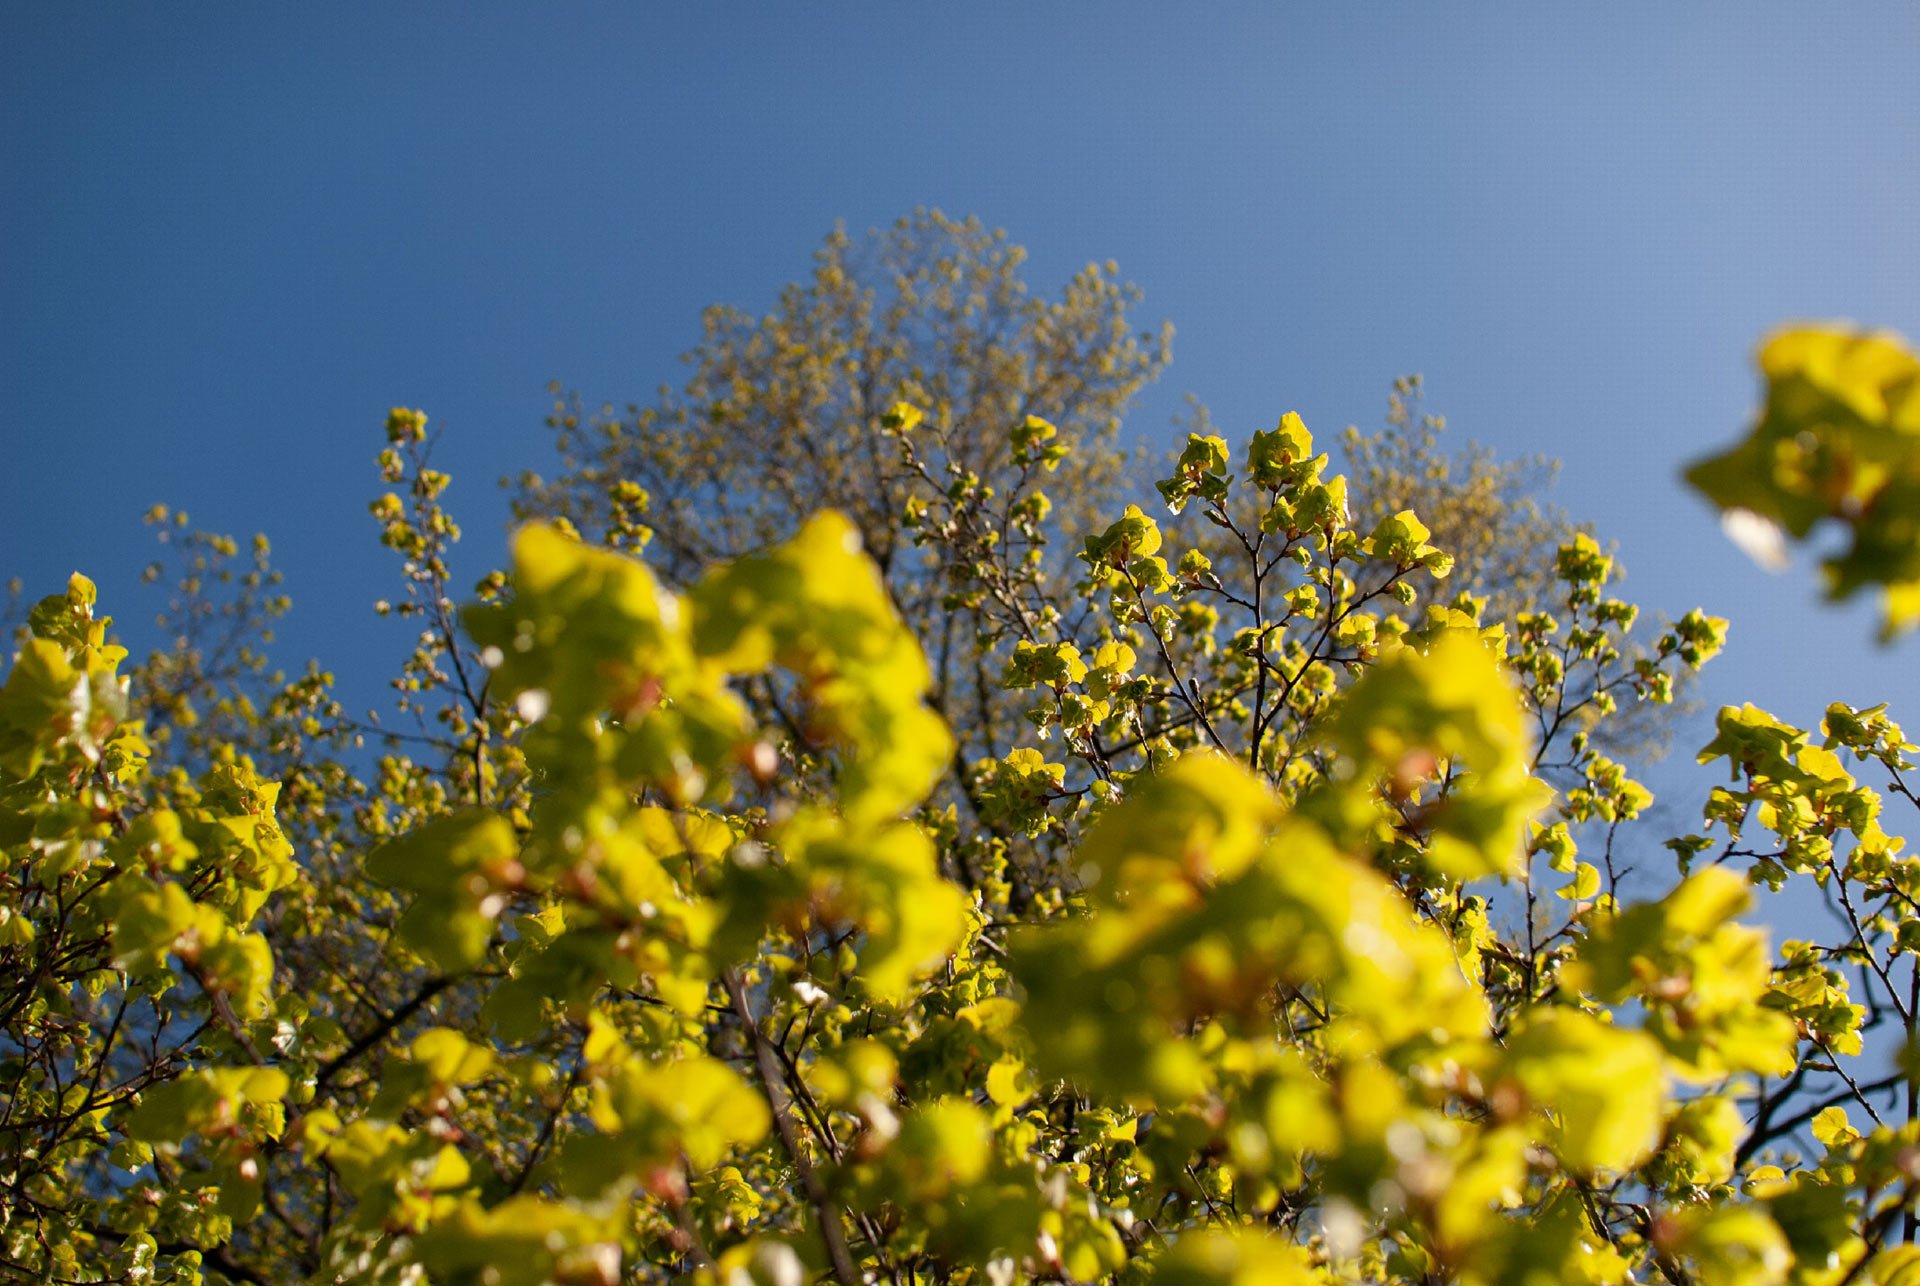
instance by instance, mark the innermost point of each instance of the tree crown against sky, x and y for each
(776, 420)
(1299, 946)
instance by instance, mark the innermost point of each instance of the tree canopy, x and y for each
(670, 930)
(778, 419)
(781, 415)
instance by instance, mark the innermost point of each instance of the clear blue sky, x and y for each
(232, 235)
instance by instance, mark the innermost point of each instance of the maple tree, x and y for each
(1289, 939)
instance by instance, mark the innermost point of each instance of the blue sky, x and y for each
(232, 236)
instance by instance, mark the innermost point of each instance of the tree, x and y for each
(780, 417)
(1281, 964)
(1486, 512)
(783, 414)
(1492, 516)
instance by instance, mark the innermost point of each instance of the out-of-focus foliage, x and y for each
(1839, 439)
(1293, 939)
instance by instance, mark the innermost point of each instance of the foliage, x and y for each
(1490, 515)
(1838, 439)
(1292, 942)
(781, 415)
(1485, 511)
(775, 419)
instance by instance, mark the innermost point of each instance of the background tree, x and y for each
(1494, 517)
(783, 414)
(1490, 514)
(780, 417)
(780, 414)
